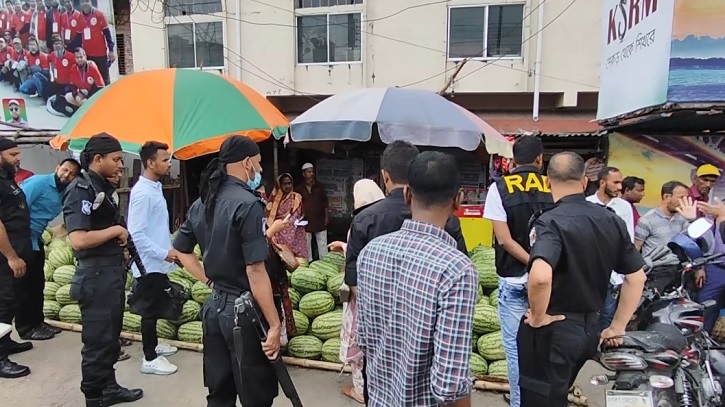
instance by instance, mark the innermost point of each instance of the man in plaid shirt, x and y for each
(416, 295)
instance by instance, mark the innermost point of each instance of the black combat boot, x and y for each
(94, 402)
(116, 394)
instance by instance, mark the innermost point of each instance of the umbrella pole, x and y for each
(276, 160)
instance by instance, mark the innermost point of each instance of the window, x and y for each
(195, 45)
(328, 38)
(177, 8)
(485, 31)
(325, 3)
(121, 53)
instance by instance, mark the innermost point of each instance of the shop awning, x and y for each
(549, 124)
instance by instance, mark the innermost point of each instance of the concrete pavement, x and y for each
(55, 381)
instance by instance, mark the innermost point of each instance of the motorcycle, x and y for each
(670, 361)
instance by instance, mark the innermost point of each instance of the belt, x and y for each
(578, 316)
(109, 261)
(227, 294)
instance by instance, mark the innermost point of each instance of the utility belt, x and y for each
(106, 261)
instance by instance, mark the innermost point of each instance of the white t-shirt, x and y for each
(493, 210)
(624, 210)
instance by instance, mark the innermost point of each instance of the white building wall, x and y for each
(397, 49)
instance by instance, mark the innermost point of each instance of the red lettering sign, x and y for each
(621, 18)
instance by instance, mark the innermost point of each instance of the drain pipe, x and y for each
(239, 37)
(537, 64)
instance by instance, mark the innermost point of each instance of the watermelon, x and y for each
(303, 261)
(474, 339)
(200, 292)
(324, 268)
(189, 313)
(305, 347)
(498, 368)
(479, 366)
(61, 256)
(129, 280)
(484, 258)
(294, 297)
(70, 314)
(48, 270)
(197, 252)
(327, 326)
(479, 294)
(331, 350)
(316, 303)
(335, 258)
(63, 296)
(131, 322)
(485, 319)
(301, 322)
(493, 299)
(64, 274)
(58, 243)
(333, 285)
(50, 289)
(490, 346)
(47, 236)
(51, 309)
(306, 280)
(191, 332)
(165, 329)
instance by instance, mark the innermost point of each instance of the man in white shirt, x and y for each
(608, 194)
(148, 225)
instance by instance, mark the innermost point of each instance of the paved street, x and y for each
(56, 377)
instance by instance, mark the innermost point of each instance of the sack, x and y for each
(285, 254)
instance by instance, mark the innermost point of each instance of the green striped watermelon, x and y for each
(479, 366)
(184, 283)
(327, 269)
(189, 313)
(316, 303)
(490, 346)
(61, 256)
(129, 280)
(200, 292)
(48, 270)
(327, 326)
(50, 289)
(479, 295)
(70, 314)
(335, 258)
(331, 350)
(131, 322)
(474, 339)
(51, 309)
(301, 322)
(64, 274)
(191, 332)
(165, 329)
(305, 347)
(493, 300)
(498, 368)
(333, 285)
(63, 296)
(485, 319)
(47, 236)
(58, 242)
(306, 280)
(294, 297)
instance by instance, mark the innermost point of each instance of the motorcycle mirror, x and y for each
(698, 228)
(709, 304)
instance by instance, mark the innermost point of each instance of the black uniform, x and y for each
(98, 284)
(583, 243)
(232, 240)
(15, 216)
(523, 193)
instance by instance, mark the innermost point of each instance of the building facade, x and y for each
(322, 47)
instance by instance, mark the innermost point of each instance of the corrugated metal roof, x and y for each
(549, 124)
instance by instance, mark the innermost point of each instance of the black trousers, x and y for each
(102, 64)
(30, 298)
(551, 357)
(151, 297)
(9, 293)
(228, 372)
(98, 286)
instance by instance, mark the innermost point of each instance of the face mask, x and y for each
(256, 182)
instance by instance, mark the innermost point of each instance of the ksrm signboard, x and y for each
(636, 41)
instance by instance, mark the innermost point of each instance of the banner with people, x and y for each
(54, 55)
(659, 159)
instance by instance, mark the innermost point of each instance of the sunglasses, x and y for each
(14, 109)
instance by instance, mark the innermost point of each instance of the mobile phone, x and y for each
(286, 218)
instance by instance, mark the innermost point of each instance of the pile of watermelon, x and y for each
(488, 357)
(60, 268)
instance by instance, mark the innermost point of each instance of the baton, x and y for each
(244, 306)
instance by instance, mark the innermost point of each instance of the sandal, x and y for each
(349, 391)
(507, 398)
(123, 356)
(125, 342)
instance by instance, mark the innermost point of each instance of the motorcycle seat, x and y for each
(657, 338)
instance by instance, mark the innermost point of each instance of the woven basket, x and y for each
(718, 333)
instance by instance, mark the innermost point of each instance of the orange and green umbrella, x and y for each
(190, 110)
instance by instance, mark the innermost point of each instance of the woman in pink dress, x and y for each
(284, 201)
(365, 192)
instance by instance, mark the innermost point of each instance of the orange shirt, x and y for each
(90, 26)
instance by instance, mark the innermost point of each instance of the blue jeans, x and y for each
(513, 302)
(712, 289)
(32, 85)
(610, 307)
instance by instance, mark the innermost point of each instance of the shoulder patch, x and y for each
(532, 236)
(86, 207)
(81, 185)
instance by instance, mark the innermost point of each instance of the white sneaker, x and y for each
(159, 366)
(164, 349)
